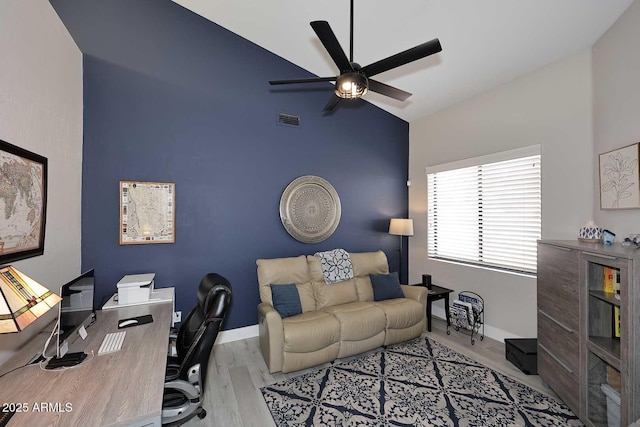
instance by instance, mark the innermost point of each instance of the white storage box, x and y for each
(613, 405)
(135, 288)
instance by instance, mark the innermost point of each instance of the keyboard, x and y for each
(112, 342)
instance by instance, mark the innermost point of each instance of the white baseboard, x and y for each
(238, 334)
(489, 331)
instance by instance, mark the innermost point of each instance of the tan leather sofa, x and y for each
(337, 320)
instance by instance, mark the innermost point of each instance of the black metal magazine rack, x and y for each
(467, 314)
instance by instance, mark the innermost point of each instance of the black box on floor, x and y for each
(523, 353)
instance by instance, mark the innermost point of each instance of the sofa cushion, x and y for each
(365, 263)
(315, 269)
(364, 288)
(402, 312)
(335, 294)
(286, 300)
(358, 320)
(309, 332)
(386, 286)
(327, 295)
(286, 270)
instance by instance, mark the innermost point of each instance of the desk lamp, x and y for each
(23, 300)
(401, 227)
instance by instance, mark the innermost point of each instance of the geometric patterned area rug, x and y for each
(417, 383)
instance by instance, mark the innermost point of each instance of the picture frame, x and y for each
(147, 212)
(619, 178)
(23, 188)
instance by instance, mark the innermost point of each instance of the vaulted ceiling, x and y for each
(485, 43)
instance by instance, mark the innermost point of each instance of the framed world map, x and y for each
(147, 212)
(23, 203)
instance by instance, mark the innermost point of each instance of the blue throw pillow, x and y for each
(286, 300)
(386, 286)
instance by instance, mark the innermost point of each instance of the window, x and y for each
(486, 211)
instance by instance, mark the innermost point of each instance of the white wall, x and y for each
(550, 107)
(616, 90)
(41, 111)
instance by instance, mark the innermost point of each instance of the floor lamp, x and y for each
(401, 227)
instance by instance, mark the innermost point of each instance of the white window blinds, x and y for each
(487, 214)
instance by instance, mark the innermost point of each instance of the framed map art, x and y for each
(23, 203)
(147, 212)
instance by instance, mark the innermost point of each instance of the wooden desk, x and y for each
(120, 389)
(436, 293)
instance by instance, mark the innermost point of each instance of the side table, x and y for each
(436, 293)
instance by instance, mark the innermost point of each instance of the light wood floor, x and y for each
(237, 371)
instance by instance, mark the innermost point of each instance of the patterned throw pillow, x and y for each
(386, 286)
(286, 299)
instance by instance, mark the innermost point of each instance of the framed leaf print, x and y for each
(619, 179)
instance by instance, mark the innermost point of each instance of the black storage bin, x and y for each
(523, 353)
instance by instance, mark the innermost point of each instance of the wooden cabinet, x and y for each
(606, 355)
(586, 336)
(559, 322)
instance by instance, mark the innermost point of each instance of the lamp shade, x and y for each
(23, 300)
(401, 227)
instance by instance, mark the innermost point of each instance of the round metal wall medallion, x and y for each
(310, 209)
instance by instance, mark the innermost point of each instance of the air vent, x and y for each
(288, 119)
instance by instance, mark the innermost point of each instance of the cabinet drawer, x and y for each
(562, 341)
(563, 382)
(558, 284)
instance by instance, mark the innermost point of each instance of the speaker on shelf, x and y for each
(426, 280)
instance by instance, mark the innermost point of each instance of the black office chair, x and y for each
(186, 373)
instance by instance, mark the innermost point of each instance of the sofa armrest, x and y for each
(271, 336)
(418, 293)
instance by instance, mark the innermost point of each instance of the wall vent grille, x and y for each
(288, 119)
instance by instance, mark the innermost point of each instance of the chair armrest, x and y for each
(271, 336)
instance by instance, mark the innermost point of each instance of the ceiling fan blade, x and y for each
(402, 58)
(332, 103)
(387, 90)
(330, 42)
(311, 80)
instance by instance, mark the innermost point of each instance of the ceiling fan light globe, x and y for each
(351, 86)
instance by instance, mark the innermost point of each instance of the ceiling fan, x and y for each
(354, 81)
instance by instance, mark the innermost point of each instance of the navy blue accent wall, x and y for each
(172, 97)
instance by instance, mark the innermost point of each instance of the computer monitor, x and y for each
(77, 309)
